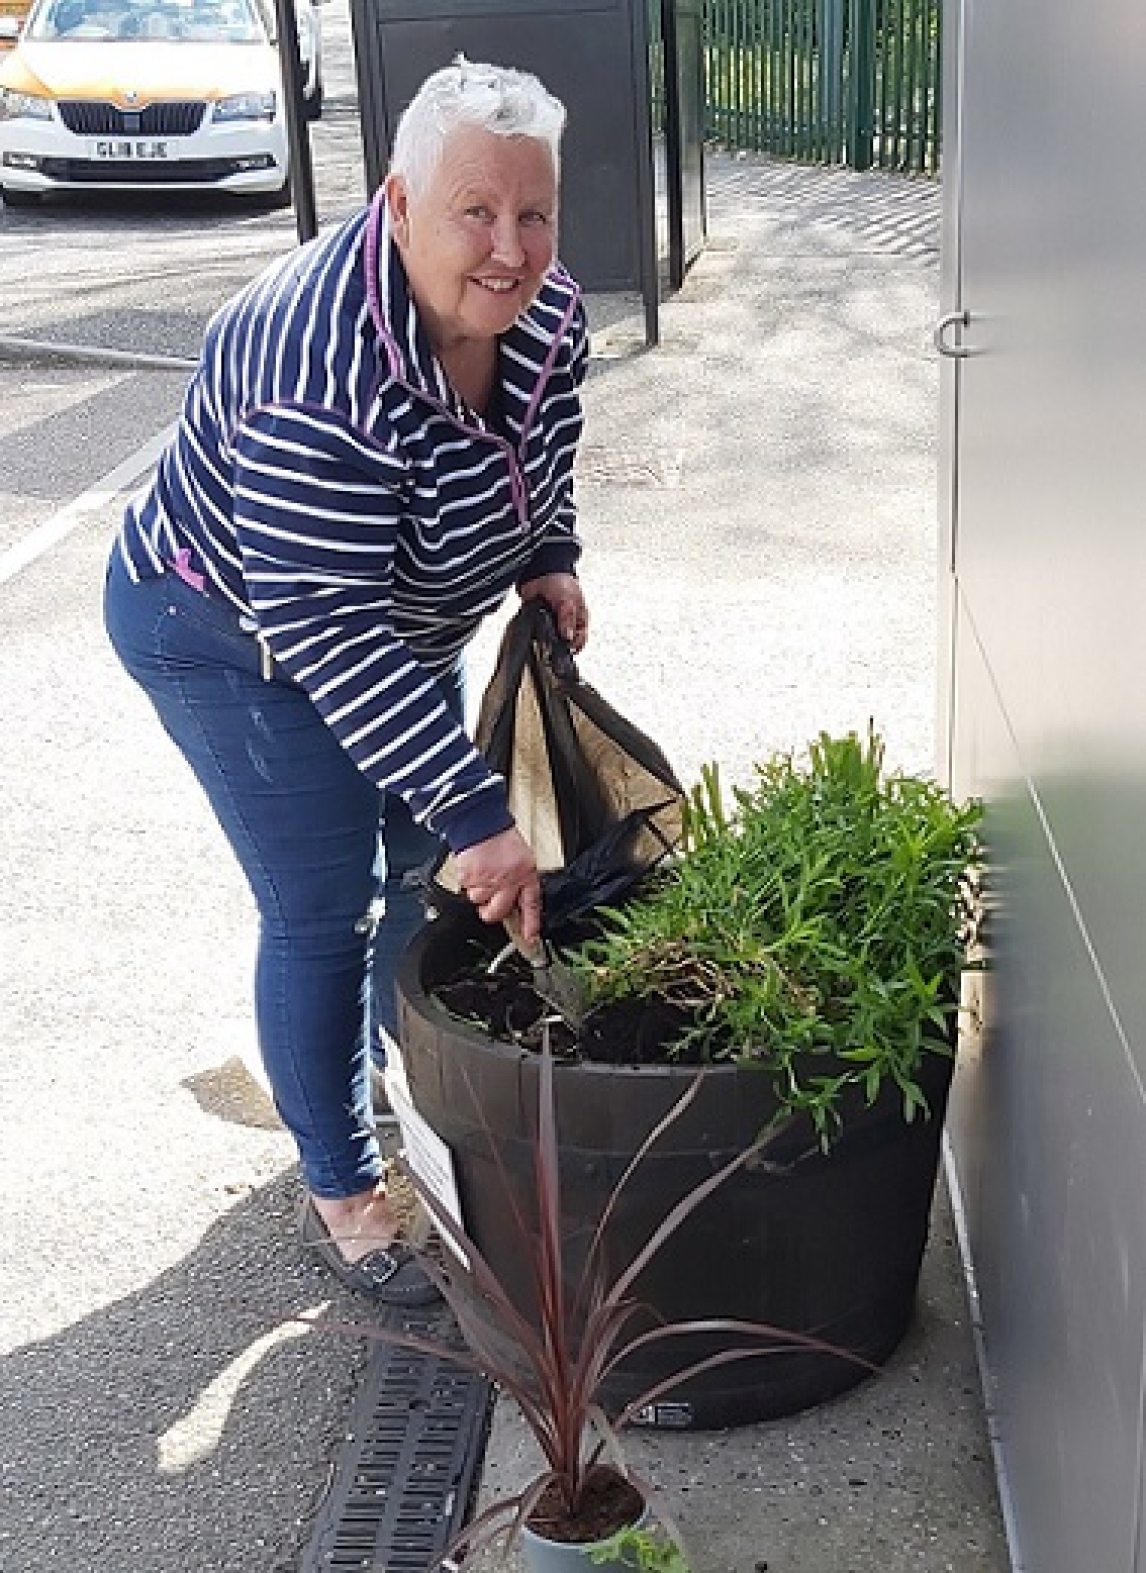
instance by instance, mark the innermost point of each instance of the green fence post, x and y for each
(861, 86)
(935, 80)
(831, 64)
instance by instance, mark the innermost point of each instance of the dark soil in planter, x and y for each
(506, 1005)
(608, 1503)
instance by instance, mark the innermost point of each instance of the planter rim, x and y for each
(510, 1053)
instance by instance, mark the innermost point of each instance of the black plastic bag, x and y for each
(593, 795)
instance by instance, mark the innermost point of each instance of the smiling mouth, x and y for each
(497, 286)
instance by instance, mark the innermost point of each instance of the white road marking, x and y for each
(56, 529)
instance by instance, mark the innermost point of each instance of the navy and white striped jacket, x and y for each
(329, 484)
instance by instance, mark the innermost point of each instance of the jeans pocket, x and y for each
(198, 628)
(161, 627)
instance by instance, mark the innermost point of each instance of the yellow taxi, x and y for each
(12, 14)
(142, 95)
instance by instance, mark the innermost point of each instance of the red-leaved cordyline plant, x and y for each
(554, 1366)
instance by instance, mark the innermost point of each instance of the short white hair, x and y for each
(499, 99)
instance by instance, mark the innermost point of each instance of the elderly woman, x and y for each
(377, 448)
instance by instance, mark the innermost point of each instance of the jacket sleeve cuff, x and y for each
(475, 820)
(553, 557)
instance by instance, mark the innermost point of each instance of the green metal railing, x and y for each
(825, 81)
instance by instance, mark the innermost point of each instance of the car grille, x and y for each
(165, 172)
(154, 120)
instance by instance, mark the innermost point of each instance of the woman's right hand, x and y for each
(499, 875)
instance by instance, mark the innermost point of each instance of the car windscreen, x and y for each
(171, 21)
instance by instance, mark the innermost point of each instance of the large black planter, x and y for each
(824, 1244)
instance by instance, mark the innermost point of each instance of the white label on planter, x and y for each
(424, 1150)
(668, 1417)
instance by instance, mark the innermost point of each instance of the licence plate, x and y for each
(129, 149)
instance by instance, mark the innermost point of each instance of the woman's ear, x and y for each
(398, 207)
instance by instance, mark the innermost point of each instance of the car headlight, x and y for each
(23, 106)
(246, 106)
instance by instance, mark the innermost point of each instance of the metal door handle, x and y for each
(952, 319)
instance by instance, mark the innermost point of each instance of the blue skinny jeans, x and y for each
(328, 857)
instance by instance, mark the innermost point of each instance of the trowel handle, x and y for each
(534, 954)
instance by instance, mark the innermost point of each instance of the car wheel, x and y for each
(19, 199)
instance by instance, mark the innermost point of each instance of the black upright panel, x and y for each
(682, 23)
(593, 54)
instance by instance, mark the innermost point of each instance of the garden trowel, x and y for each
(555, 981)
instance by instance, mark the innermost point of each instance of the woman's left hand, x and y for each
(563, 594)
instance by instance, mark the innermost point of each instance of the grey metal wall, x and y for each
(1043, 494)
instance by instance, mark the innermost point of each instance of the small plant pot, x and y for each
(608, 1500)
(555, 1556)
(542, 1555)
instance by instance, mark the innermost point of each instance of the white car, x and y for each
(146, 95)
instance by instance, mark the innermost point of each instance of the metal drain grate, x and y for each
(405, 1477)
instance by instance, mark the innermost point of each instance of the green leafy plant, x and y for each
(552, 1357)
(817, 925)
(648, 1550)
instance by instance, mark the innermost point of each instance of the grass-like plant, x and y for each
(817, 927)
(552, 1357)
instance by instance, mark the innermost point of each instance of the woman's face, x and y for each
(477, 242)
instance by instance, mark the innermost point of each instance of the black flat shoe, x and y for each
(391, 1275)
